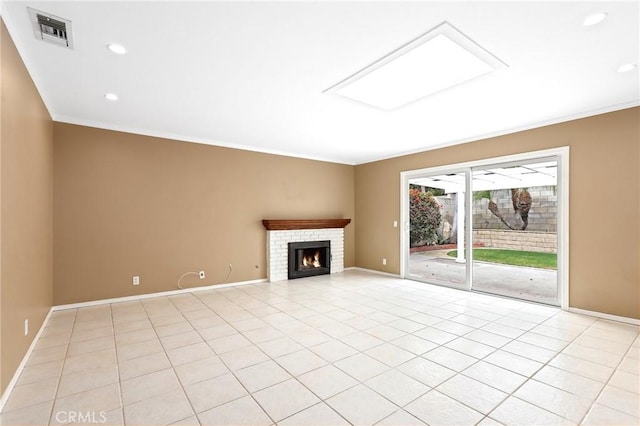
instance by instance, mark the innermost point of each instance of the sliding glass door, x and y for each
(514, 220)
(491, 228)
(437, 229)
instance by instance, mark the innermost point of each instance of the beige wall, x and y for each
(26, 170)
(604, 169)
(130, 205)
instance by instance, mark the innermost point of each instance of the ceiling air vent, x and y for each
(51, 28)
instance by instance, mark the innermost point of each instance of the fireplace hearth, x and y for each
(309, 258)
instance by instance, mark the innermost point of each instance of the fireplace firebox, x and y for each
(309, 258)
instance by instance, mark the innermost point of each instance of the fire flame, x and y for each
(309, 261)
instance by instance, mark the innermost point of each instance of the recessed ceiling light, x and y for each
(627, 67)
(594, 19)
(111, 96)
(117, 48)
(440, 59)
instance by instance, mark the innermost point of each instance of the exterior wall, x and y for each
(278, 249)
(546, 242)
(604, 266)
(26, 178)
(542, 216)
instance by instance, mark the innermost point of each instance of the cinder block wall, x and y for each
(517, 240)
(542, 216)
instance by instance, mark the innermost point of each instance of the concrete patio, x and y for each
(534, 284)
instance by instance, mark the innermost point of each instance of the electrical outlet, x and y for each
(136, 280)
(26, 327)
(201, 275)
(384, 260)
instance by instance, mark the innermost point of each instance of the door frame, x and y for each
(562, 153)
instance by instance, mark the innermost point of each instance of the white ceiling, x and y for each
(251, 75)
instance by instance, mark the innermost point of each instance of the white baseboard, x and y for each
(16, 375)
(151, 295)
(604, 316)
(373, 271)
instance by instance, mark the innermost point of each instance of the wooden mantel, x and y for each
(289, 224)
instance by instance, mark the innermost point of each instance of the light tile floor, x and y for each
(351, 348)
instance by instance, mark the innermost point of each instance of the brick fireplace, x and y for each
(282, 232)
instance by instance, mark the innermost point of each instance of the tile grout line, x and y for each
(512, 339)
(182, 385)
(478, 360)
(329, 363)
(320, 313)
(64, 362)
(592, 403)
(457, 336)
(421, 356)
(294, 377)
(115, 346)
(217, 355)
(230, 371)
(362, 352)
(164, 350)
(512, 394)
(607, 383)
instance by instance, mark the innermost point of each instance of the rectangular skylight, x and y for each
(440, 59)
